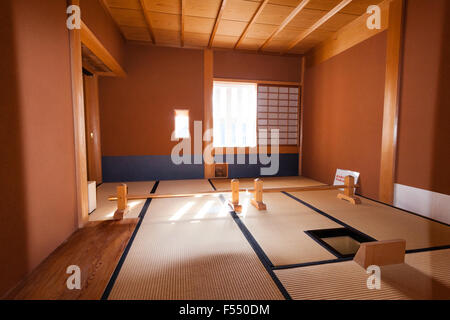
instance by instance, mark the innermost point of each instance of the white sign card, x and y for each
(339, 179)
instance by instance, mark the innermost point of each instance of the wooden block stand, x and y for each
(381, 253)
(122, 202)
(257, 200)
(349, 191)
(234, 202)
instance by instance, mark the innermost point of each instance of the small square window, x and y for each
(182, 124)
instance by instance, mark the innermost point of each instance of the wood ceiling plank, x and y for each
(167, 37)
(289, 3)
(163, 6)
(260, 31)
(106, 7)
(251, 22)
(251, 44)
(198, 24)
(316, 25)
(123, 4)
(231, 28)
(319, 35)
(240, 10)
(165, 21)
(273, 14)
(216, 24)
(224, 41)
(136, 33)
(148, 21)
(127, 17)
(196, 39)
(308, 17)
(286, 21)
(202, 8)
(357, 7)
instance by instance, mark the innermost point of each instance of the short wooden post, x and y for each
(350, 186)
(349, 191)
(234, 203)
(257, 200)
(122, 202)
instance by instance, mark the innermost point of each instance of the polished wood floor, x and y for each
(96, 249)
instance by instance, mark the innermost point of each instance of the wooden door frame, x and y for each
(88, 38)
(76, 66)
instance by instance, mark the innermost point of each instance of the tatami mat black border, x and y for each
(329, 216)
(404, 210)
(116, 272)
(312, 263)
(257, 249)
(356, 230)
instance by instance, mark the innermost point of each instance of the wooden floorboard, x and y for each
(96, 249)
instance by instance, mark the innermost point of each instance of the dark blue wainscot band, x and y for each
(161, 167)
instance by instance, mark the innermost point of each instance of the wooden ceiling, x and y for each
(282, 26)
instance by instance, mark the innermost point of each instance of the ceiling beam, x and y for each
(183, 3)
(253, 19)
(216, 24)
(286, 21)
(148, 21)
(320, 22)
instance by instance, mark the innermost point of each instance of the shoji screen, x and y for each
(278, 108)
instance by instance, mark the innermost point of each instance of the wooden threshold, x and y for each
(96, 249)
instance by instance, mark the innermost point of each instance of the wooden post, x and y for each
(235, 191)
(257, 200)
(122, 202)
(381, 253)
(349, 191)
(350, 183)
(234, 203)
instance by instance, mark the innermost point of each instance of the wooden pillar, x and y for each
(208, 101)
(257, 200)
(76, 66)
(122, 202)
(391, 101)
(300, 117)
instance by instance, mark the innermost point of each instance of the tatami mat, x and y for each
(188, 248)
(280, 229)
(185, 209)
(424, 275)
(105, 208)
(380, 221)
(183, 186)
